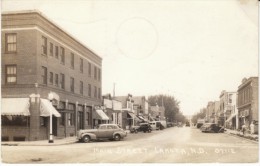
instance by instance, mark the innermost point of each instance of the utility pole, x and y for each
(114, 90)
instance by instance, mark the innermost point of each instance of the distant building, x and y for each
(247, 103)
(43, 63)
(226, 103)
(157, 112)
(141, 107)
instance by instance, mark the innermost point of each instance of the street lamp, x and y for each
(51, 136)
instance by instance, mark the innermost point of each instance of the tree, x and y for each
(199, 115)
(171, 105)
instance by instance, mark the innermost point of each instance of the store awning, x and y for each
(132, 115)
(46, 108)
(15, 106)
(99, 114)
(231, 117)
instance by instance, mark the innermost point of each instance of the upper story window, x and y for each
(56, 80)
(10, 42)
(11, 74)
(72, 60)
(99, 93)
(89, 90)
(95, 72)
(51, 77)
(51, 49)
(57, 52)
(71, 84)
(62, 81)
(81, 87)
(62, 55)
(44, 45)
(89, 69)
(95, 92)
(99, 74)
(81, 65)
(44, 75)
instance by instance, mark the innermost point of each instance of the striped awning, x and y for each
(46, 108)
(99, 114)
(15, 106)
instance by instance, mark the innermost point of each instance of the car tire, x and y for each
(117, 137)
(86, 139)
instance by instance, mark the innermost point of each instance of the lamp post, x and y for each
(51, 136)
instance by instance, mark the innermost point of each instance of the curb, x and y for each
(234, 135)
(38, 144)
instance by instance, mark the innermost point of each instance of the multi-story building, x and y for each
(217, 110)
(141, 107)
(157, 113)
(226, 104)
(42, 62)
(210, 112)
(247, 102)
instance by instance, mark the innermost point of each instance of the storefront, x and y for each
(99, 117)
(26, 119)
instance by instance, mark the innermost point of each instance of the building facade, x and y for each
(39, 59)
(226, 103)
(247, 102)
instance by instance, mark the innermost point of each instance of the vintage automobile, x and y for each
(145, 127)
(211, 127)
(104, 131)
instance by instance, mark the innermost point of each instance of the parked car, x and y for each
(157, 125)
(169, 124)
(103, 131)
(211, 127)
(134, 129)
(145, 127)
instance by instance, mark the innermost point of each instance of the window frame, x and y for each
(57, 52)
(89, 90)
(72, 60)
(56, 80)
(81, 65)
(7, 43)
(72, 84)
(51, 49)
(10, 75)
(44, 75)
(62, 55)
(51, 78)
(62, 80)
(81, 87)
(44, 45)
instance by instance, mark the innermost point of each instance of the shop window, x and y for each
(70, 119)
(62, 119)
(43, 121)
(87, 118)
(15, 120)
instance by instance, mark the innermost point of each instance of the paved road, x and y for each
(172, 145)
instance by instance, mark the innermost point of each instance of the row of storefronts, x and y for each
(237, 108)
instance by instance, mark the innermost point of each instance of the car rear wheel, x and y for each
(117, 137)
(86, 139)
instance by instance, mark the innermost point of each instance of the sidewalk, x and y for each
(56, 141)
(253, 137)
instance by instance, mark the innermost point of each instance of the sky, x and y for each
(189, 49)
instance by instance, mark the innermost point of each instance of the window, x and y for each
(56, 80)
(51, 77)
(95, 92)
(44, 45)
(87, 118)
(81, 88)
(15, 120)
(62, 81)
(89, 69)
(62, 119)
(51, 49)
(71, 84)
(44, 75)
(70, 119)
(10, 42)
(81, 65)
(95, 72)
(43, 121)
(11, 74)
(57, 52)
(72, 60)
(99, 74)
(89, 90)
(99, 93)
(62, 55)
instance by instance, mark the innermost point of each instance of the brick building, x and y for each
(247, 102)
(40, 60)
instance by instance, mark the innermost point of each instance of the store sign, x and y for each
(108, 103)
(117, 105)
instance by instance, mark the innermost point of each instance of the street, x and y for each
(172, 145)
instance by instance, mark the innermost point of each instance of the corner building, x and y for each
(40, 60)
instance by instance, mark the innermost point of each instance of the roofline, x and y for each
(51, 22)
